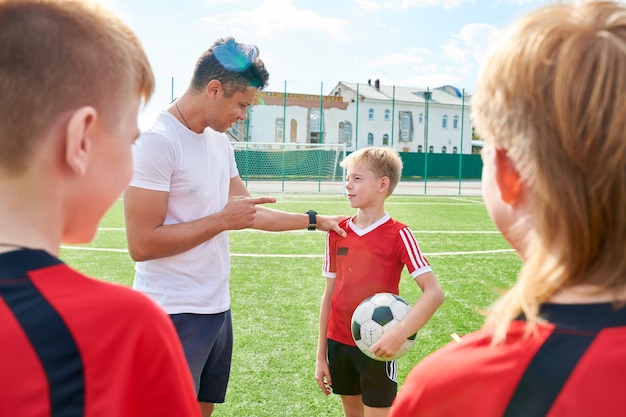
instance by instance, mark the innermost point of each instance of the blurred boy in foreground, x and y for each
(72, 78)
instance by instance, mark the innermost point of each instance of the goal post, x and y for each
(291, 167)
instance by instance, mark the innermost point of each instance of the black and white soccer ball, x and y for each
(376, 315)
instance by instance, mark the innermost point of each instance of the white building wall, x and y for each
(332, 119)
(261, 121)
(300, 115)
(438, 136)
(262, 124)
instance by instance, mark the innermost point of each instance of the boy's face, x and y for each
(108, 174)
(363, 188)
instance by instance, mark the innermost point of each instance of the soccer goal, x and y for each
(291, 167)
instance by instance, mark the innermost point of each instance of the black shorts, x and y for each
(353, 373)
(207, 340)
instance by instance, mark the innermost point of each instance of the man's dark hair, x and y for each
(237, 66)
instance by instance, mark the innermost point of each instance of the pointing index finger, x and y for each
(263, 200)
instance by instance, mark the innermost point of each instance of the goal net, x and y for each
(290, 167)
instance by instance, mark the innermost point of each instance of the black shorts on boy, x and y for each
(354, 373)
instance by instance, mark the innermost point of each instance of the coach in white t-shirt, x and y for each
(186, 195)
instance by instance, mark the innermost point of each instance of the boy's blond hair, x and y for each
(383, 162)
(553, 96)
(56, 56)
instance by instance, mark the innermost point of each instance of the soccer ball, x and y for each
(376, 315)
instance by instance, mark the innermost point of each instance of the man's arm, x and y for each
(277, 221)
(148, 238)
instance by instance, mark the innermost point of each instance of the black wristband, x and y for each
(312, 219)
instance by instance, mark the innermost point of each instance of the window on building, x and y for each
(370, 114)
(387, 115)
(315, 121)
(420, 118)
(280, 130)
(419, 149)
(444, 122)
(455, 122)
(370, 139)
(315, 126)
(345, 132)
(431, 149)
(444, 149)
(455, 150)
(385, 140)
(293, 130)
(406, 127)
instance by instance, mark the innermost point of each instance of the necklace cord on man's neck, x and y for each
(181, 115)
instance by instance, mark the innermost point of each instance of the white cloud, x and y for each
(420, 66)
(415, 55)
(275, 17)
(430, 80)
(370, 5)
(374, 5)
(329, 40)
(445, 4)
(470, 43)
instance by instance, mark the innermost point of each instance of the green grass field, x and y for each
(276, 286)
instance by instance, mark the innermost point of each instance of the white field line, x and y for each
(282, 255)
(461, 202)
(417, 233)
(421, 232)
(465, 203)
(467, 200)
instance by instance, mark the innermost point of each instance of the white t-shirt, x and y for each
(196, 170)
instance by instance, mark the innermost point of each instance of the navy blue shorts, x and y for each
(353, 373)
(207, 340)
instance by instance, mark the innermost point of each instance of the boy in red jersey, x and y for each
(551, 106)
(369, 260)
(72, 77)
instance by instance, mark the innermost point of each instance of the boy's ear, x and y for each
(78, 139)
(384, 184)
(507, 178)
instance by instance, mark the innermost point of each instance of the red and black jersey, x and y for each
(364, 263)
(574, 366)
(75, 346)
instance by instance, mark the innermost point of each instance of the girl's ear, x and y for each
(507, 178)
(78, 139)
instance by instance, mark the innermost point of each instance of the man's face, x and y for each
(229, 110)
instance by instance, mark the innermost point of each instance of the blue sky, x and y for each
(309, 46)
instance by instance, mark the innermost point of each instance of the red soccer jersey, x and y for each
(74, 346)
(364, 263)
(574, 367)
